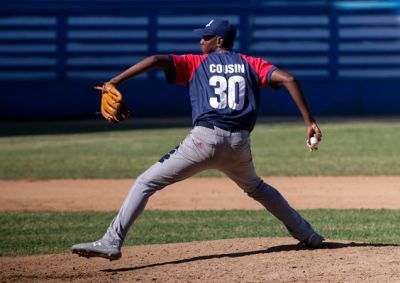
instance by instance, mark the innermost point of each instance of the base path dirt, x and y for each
(233, 260)
(201, 193)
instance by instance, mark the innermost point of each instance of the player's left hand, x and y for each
(113, 107)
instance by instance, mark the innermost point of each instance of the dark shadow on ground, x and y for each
(281, 248)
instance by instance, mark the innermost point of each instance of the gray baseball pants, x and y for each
(202, 149)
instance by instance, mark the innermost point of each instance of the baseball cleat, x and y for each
(100, 248)
(313, 241)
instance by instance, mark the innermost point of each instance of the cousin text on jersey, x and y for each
(227, 69)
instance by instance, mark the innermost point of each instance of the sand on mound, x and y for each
(232, 260)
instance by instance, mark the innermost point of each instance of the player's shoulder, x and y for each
(195, 58)
(254, 60)
(190, 55)
(249, 57)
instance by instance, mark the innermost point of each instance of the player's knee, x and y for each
(253, 193)
(147, 185)
(251, 186)
(259, 190)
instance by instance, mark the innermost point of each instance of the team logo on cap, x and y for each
(209, 24)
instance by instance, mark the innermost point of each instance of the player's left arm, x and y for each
(154, 61)
(281, 78)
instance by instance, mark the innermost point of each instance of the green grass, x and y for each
(28, 233)
(94, 149)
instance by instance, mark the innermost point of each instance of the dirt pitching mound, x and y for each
(233, 260)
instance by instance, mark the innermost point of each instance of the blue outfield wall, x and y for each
(346, 54)
(78, 99)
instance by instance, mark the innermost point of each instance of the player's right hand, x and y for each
(313, 131)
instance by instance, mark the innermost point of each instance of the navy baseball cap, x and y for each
(217, 27)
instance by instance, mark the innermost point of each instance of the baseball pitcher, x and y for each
(224, 90)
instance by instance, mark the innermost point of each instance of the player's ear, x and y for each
(220, 41)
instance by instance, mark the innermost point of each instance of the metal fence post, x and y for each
(152, 39)
(61, 40)
(245, 32)
(333, 43)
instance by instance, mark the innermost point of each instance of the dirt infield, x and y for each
(201, 193)
(233, 260)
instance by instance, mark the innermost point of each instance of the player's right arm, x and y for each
(148, 63)
(281, 78)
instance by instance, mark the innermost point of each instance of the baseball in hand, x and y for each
(313, 141)
(313, 144)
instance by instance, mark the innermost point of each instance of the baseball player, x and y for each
(224, 89)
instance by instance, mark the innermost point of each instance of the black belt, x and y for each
(204, 124)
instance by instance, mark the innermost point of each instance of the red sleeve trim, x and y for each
(185, 66)
(262, 67)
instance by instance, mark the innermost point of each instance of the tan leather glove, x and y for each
(113, 107)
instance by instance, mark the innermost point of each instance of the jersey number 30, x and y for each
(229, 92)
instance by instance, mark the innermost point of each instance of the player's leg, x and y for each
(192, 156)
(241, 170)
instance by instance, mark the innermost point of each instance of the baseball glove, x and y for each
(113, 107)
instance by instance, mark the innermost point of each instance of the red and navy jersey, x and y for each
(224, 86)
